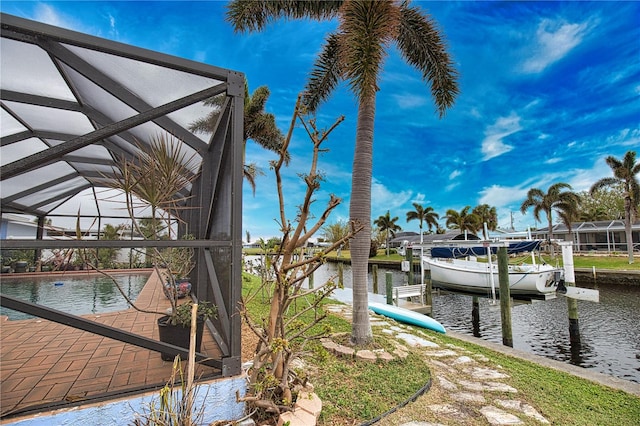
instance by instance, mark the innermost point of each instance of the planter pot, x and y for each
(21, 267)
(182, 289)
(178, 335)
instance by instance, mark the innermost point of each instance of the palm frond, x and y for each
(205, 124)
(422, 45)
(325, 74)
(366, 29)
(250, 15)
(603, 183)
(251, 172)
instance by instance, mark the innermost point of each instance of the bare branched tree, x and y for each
(282, 335)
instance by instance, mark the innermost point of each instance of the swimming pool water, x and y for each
(78, 295)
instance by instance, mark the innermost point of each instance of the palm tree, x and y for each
(569, 212)
(554, 199)
(335, 232)
(388, 226)
(462, 220)
(423, 214)
(259, 126)
(624, 173)
(486, 214)
(355, 53)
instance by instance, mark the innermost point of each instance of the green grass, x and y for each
(619, 263)
(562, 398)
(353, 393)
(351, 390)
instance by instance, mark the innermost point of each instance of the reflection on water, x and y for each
(609, 332)
(76, 295)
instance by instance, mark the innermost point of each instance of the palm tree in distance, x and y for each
(355, 53)
(568, 213)
(423, 215)
(554, 199)
(486, 214)
(463, 220)
(259, 126)
(624, 172)
(388, 225)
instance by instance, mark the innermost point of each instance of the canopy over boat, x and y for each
(515, 247)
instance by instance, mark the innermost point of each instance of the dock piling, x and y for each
(570, 281)
(505, 296)
(428, 292)
(374, 273)
(475, 316)
(409, 258)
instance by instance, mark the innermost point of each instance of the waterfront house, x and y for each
(601, 236)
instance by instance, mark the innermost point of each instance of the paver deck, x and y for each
(43, 363)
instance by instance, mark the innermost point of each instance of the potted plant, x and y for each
(179, 264)
(152, 180)
(174, 328)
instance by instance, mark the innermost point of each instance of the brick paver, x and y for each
(44, 362)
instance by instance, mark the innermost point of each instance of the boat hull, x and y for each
(476, 277)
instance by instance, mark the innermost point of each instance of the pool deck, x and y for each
(43, 364)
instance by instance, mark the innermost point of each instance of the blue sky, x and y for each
(547, 91)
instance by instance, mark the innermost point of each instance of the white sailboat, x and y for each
(482, 277)
(473, 276)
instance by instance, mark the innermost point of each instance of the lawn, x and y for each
(563, 398)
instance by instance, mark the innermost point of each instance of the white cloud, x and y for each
(554, 40)
(48, 15)
(454, 174)
(113, 27)
(553, 160)
(583, 179)
(492, 145)
(625, 137)
(420, 198)
(382, 199)
(409, 101)
(501, 196)
(451, 186)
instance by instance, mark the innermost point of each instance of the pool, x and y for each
(78, 295)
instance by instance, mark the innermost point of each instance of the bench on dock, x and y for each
(409, 291)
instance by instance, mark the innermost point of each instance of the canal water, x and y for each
(609, 330)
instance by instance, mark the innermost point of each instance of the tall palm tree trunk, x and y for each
(360, 211)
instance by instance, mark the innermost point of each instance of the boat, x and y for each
(481, 277)
(407, 316)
